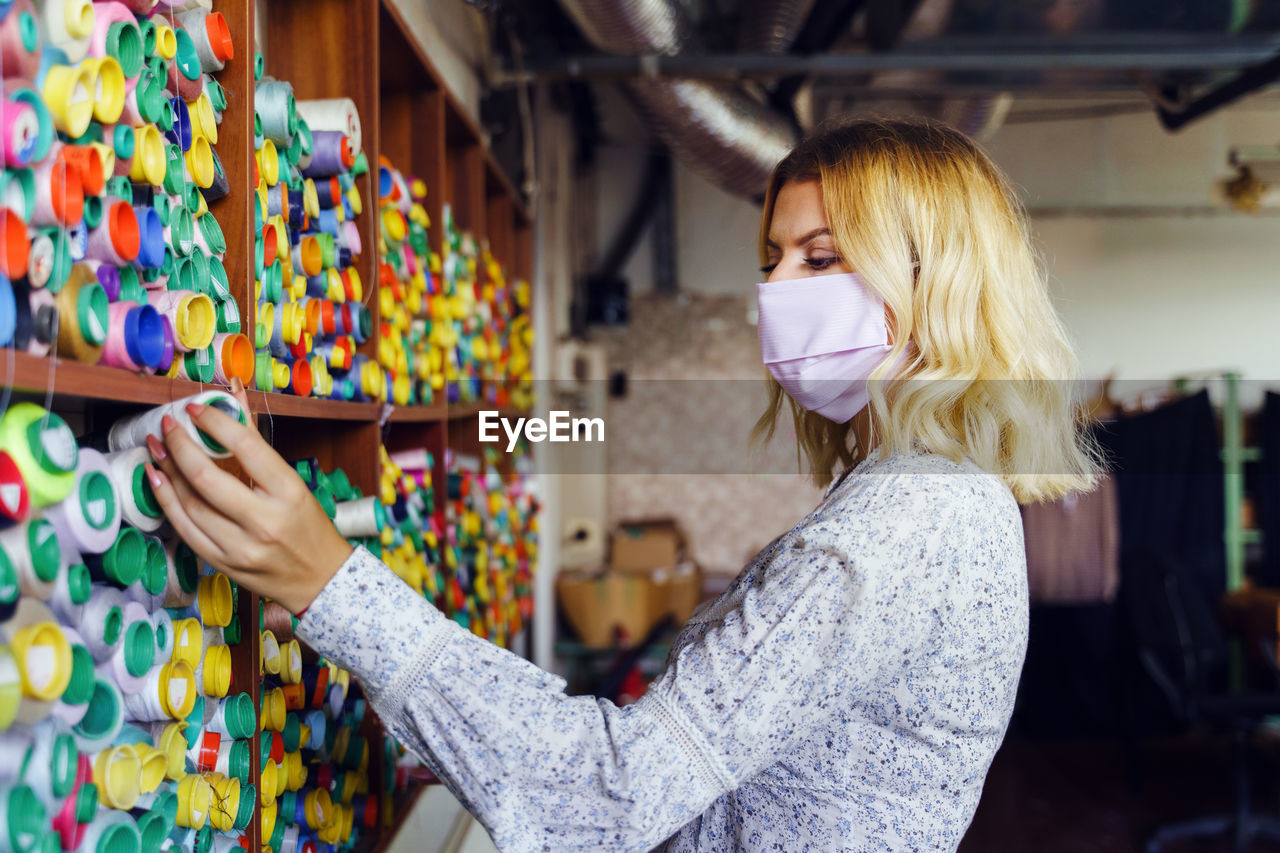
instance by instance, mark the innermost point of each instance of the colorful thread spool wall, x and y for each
(491, 529)
(109, 254)
(450, 320)
(118, 712)
(315, 750)
(58, 282)
(311, 313)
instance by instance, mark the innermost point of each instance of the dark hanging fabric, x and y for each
(1268, 485)
(1168, 477)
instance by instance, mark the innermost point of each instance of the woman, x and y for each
(849, 690)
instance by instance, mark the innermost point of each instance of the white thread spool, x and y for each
(133, 431)
(146, 704)
(196, 23)
(137, 504)
(183, 568)
(134, 656)
(358, 519)
(333, 114)
(89, 517)
(102, 622)
(49, 763)
(68, 24)
(99, 727)
(162, 627)
(73, 582)
(69, 713)
(33, 550)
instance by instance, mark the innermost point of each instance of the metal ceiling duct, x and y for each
(772, 27)
(719, 131)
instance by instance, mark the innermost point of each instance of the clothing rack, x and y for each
(1235, 454)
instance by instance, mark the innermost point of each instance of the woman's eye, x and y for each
(768, 270)
(818, 264)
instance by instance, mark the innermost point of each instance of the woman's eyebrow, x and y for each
(771, 242)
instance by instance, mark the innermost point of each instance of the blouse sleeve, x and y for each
(542, 770)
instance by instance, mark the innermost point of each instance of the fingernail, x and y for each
(195, 409)
(157, 449)
(153, 476)
(168, 424)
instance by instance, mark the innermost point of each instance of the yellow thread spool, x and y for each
(108, 88)
(267, 792)
(217, 671)
(226, 801)
(82, 316)
(297, 771)
(155, 765)
(68, 93)
(177, 689)
(149, 163)
(117, 773)
(44, 660)
(199, 159)
(214, 597)
(268, 814)
(195, 796)
(188, 642)
(166, 42)
(173, 744)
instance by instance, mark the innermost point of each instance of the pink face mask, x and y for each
(820, 338)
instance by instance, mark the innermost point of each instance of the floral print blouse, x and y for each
(847, 692)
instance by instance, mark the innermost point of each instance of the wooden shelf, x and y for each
(362, 49)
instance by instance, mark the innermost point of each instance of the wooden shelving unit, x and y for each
(360, 49)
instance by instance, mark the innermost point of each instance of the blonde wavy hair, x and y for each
(932, 226)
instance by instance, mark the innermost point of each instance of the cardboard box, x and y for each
(602, 604)
(643, 545)
(647, 578)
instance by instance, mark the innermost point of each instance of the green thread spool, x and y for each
(18, 191)
(125, 43)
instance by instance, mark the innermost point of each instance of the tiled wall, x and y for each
(694, 391)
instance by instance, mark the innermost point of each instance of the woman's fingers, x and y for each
(166, 494)
(256, 457)
(226, 534)
(219, 489)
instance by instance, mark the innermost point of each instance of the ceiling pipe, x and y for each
(718, 130)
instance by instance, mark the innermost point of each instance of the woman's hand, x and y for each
(272, 537)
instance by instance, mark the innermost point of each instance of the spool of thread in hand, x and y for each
(133, 431)
(88, 518)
